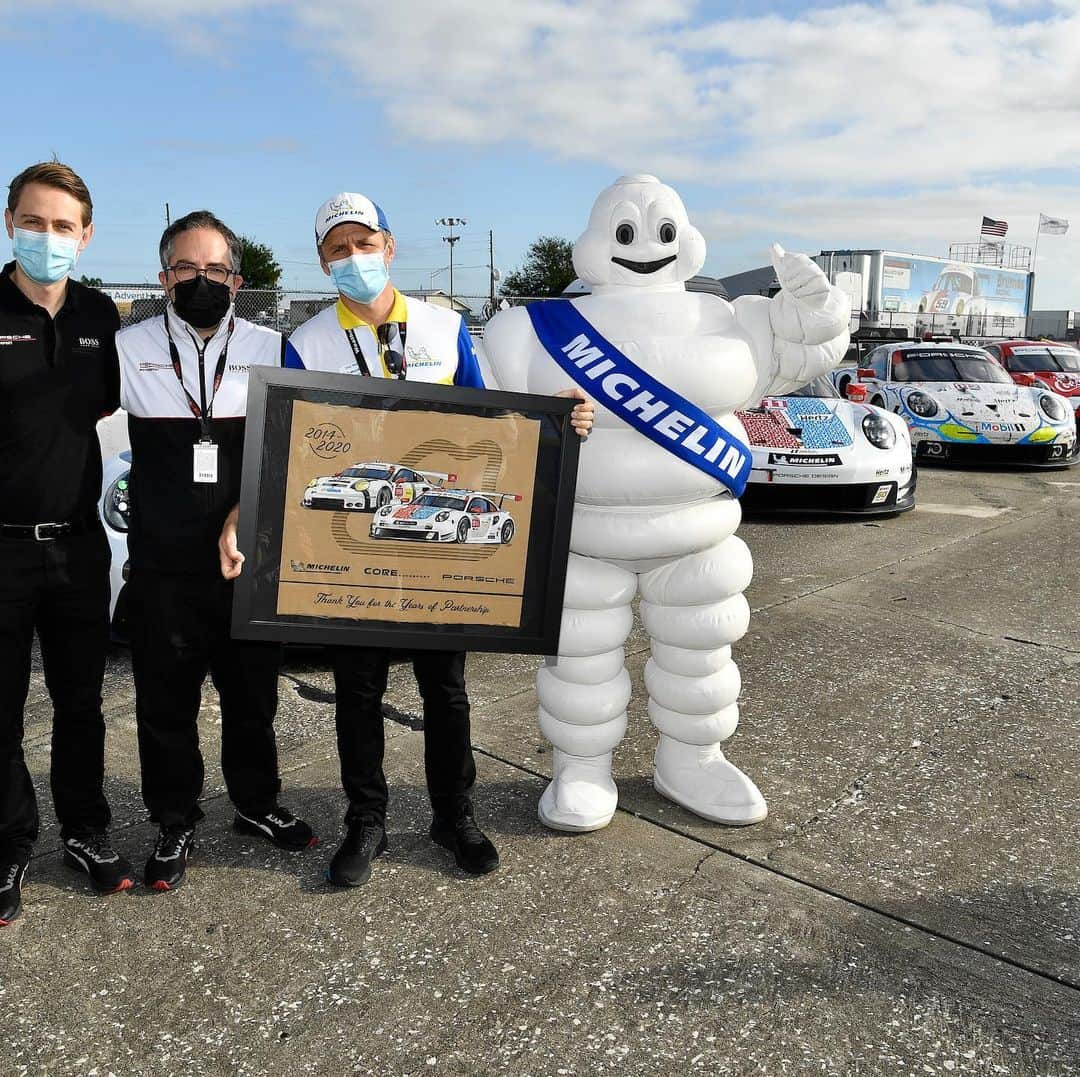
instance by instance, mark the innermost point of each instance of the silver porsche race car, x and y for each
(367, 486)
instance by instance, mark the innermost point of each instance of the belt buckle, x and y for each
(38, 536)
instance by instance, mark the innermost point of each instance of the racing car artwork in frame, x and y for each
(961, 406)
(364, 487)
(816, 452)
(448, 516)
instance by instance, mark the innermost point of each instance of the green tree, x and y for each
(258, 266)
(261, 273)
(548, 269)
(91, 282)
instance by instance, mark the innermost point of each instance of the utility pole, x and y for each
(167, 221)
(450, 223)
(491, 268)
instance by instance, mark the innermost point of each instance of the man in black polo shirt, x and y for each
(58, 376)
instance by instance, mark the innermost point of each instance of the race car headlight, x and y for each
(922, 404)
(117, 505)
(442, 517)
(385, 510)
(360, 484)
(313, 483)
(877, 430)
(1054, 409)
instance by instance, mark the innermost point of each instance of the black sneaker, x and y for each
(351, 865)
(472, 850)
(92, 854)
(279, 826)
(12, 873)
(166, 866)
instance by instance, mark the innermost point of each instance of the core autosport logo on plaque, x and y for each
(327, 440)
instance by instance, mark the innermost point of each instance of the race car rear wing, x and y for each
(502, 497)
(436, 475)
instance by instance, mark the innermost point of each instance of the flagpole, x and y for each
(1035, 262)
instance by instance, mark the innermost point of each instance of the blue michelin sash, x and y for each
(650, 407)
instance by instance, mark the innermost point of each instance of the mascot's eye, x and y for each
(667, 232)
(624, 234)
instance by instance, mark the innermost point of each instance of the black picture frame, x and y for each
(272, 393)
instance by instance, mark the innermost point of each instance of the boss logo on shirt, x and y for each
(240, 368)
(87, 343)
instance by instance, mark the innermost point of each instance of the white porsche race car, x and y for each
(366, 486)
(815, 452)
(448, 516)
(960, 405)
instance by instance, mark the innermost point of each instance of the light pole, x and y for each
(450, 223)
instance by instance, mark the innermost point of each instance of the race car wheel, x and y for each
(507, 532)
(383, 499)
(462, 531)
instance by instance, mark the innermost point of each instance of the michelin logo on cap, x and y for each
(349, 207)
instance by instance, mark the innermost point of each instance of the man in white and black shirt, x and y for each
(184, 386)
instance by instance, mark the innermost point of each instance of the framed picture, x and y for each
(387, 513)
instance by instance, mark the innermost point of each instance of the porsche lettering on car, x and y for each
(367, 486)
(815, 452)
(462, 516)
(959, 404)
(1042, 363)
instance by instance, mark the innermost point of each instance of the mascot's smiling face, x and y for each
(638, 237)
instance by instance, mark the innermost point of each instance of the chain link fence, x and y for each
(285, 310)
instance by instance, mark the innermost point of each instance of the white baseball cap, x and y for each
(349, 207)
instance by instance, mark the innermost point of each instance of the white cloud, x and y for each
(856, 94)
(962, 107)
(903, 92)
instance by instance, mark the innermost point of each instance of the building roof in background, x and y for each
(695, 284)
(760, 281)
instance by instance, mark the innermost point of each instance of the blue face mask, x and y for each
(361, 277)
(44, 257)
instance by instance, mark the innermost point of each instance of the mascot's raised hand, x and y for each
(657, 497)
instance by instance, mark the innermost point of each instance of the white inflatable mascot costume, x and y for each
(657, 507)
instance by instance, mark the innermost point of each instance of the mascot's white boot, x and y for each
(648, 518)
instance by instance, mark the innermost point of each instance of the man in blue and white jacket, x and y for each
(375, 330)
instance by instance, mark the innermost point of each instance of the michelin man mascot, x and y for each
(659, 477)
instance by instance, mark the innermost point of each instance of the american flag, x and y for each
(990, 227)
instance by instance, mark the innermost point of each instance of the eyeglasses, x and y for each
(392, 347)
(185, 271)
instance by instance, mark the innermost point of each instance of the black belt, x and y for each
(45, 532)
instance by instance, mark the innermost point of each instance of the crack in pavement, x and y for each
(818, 888)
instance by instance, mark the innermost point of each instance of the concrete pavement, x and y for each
(910, 906)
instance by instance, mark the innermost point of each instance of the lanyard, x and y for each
(394, 356)
(203, 414)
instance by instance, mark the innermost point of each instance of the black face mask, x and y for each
(200, 302)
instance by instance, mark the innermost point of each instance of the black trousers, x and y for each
(60, 588)
(360, 680)
(179, 634)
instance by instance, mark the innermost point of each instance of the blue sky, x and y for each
(817, 125)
